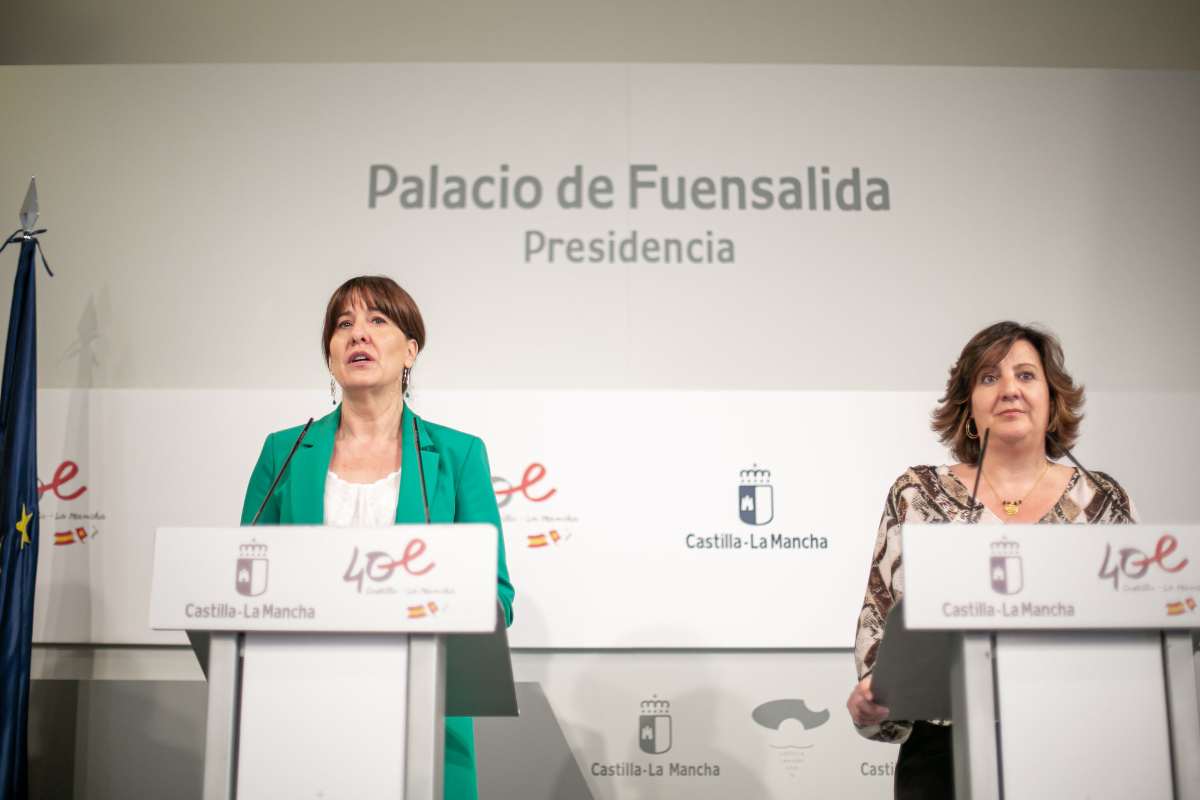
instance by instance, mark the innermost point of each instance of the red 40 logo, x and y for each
(1134, 564)
(378, 566)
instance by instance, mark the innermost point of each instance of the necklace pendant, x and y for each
(1011, 507)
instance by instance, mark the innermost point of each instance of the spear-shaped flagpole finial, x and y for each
(29, 209)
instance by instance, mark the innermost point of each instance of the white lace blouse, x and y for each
(361, 505)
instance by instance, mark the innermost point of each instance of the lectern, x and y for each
(1062, 654)
(334, 654)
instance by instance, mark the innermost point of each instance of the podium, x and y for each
(333, 655)
(1064, 656)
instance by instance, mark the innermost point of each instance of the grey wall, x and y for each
(1155, 34)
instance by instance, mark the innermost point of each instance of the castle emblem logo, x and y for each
(654, 726)
(251, 578)
(756, 496)
(1008, 574)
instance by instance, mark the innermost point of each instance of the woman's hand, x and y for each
(862, 707)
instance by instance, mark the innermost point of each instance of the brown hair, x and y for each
(986, 349)
(382, 294)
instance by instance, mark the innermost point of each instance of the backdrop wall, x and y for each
(789, 302)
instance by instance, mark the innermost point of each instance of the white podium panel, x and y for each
(322, 715)
(403, 578)
(1051, 577)
(325, 652)
(1101, 691)
(1066, 650)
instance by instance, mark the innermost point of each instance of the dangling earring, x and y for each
(332, 393)
(972, 429)
(404, 379)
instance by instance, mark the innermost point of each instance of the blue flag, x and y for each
(18, 525)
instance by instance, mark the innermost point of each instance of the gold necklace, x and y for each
(1012, 507)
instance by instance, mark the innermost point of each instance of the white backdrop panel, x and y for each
(602, 495)
(200, 215)
(710, 701)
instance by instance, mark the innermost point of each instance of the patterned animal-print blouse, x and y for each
(934, 494)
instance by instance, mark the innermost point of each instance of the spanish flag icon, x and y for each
(423, 610)
(542, 539)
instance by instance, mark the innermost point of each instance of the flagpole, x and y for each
(19, 517)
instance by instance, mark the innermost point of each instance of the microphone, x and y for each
(1091, 477)
(979, 473)
(420, 467)
(282, 469)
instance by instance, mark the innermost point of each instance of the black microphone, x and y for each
(282, 469)
(978, 474)
(1091, 478)
(420, 467)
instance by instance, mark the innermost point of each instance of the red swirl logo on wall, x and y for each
(66, 472)
(548, 529)
(528, 488)
(62, 487)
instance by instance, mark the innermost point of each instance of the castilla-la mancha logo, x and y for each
(756, 496)
(1008, 576)
(654, 726)
(252, 566)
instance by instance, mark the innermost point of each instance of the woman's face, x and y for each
(1012, 397)
(368, 350)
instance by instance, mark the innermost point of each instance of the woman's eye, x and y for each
(987, 380)
(1027, 376)
(379, 320)
(344, 323)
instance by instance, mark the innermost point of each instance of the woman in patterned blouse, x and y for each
(1009, 379)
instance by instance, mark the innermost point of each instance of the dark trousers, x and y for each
(925, 766)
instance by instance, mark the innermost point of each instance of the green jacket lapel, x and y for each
(410, 508)
(306, 486)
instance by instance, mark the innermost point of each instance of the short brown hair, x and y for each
(986, 349)
(382, 294)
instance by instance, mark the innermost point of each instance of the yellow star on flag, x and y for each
(23, 526)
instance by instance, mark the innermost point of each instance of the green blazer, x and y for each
(458, 482)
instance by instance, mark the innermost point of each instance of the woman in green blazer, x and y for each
(373, 332)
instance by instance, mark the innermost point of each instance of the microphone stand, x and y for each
(978, 474)
(282, 469)
(420, 467)
(1099, 486)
